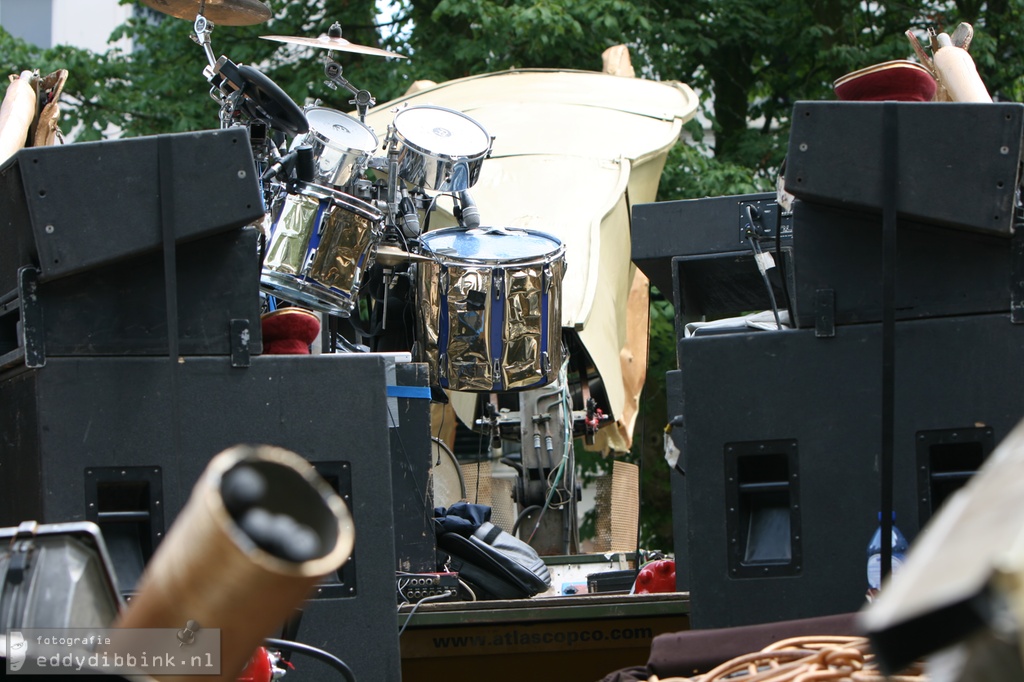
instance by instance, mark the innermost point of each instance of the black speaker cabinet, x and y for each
(121, 441)
(837, 155)
(121, 308)
(71, 208)
(939, 271)
(411, 467)
(701, 250)
(777, 491)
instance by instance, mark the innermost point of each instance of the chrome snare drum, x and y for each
(321, 243)
(342, 145)
(439, 149)
(491, 313)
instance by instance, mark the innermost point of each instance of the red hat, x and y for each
(289, 331)
(901, 81)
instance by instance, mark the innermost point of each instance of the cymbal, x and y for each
(223, 12)
(332, 43)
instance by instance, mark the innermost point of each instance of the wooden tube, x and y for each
(16, 114)
(957, 72)
(208, 570)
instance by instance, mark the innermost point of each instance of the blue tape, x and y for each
(409, 392)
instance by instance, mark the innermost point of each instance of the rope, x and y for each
(804, 659)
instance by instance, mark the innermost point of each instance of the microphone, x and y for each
(470, 213)
(276, 167)
(304, 166)
(411, 221)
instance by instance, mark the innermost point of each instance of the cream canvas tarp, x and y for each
(572, 151)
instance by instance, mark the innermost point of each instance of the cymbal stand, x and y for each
(363, 99)
(201, 30)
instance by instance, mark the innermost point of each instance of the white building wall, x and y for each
(88, 23)
(81, 23)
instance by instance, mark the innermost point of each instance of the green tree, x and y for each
(750, 60)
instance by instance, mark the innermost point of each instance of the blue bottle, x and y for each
(899, 552)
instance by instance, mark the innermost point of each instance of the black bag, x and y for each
(495, 564)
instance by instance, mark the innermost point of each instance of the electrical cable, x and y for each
(566, 449)
(312, 652)
(758, 256)
(467, 588)
(431, 597)
(783, 275)
(522, 515)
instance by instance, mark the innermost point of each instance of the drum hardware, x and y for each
(247, 94)
(546, 487)
(201, 30)
(363, 99)
(392, 186)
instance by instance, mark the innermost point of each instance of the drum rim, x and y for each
(345, 199)
(300, 289)
(438, 155)
(321, 137)
(445, 259)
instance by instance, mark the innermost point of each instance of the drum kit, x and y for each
(342, 204)
(346, 231)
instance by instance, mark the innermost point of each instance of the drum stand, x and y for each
(546, 490)
(363, 99)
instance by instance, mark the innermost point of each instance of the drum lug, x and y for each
(442, 368)
(545, 362)
(547, 278)
(308, 264)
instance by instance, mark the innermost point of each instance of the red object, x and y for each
(259, 669)
(898, 81)
(289, 331)
(656, 576)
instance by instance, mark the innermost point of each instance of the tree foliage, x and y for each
(750, 60)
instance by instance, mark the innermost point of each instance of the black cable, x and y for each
(764, 276)
(312, 652)
(432, 597)
(783, 274)
(522, 515)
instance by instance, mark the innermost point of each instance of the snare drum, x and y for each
(341, 145)
(433, 141)
(321, 243)
(490, 308)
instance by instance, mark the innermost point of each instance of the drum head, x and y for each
(341, 130)
(442, 131)
(506, 245)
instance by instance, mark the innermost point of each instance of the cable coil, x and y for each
(803, 659)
